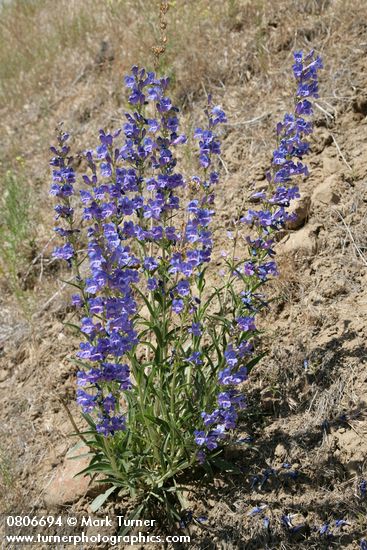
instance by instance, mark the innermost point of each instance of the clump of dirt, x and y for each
(301, 454)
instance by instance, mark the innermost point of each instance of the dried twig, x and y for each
(35, 260)
(160, 48)
(324, 111)
(224, 165)
(47, 303)
(359, 252)
(341, 154)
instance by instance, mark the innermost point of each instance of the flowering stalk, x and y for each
(155, 355)
(266, 222)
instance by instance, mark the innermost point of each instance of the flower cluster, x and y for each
(130, 201)
(286, 166)
(62, 187)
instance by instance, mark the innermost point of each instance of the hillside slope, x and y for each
(307, 399)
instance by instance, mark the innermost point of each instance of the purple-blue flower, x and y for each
(64, 252)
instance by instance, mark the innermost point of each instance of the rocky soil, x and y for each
(303, 449)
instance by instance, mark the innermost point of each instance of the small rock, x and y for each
(64, 487)
(280, 451)
(3, 374)
(331, 165)
(324, 193)
(301, 209)
(304, 240)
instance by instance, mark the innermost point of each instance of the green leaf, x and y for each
(71, 284)
(145, 299)
(98, 501)
(89, 419)
(250, 365)
(158, 421)
(78, 445)
(135, 514)
(78, 362)
(71, 325)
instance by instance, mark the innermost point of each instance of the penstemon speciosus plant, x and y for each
(164, 355)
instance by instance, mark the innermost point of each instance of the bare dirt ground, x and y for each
(307, 419)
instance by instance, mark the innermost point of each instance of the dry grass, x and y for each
(65, 60)
(47, 47)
